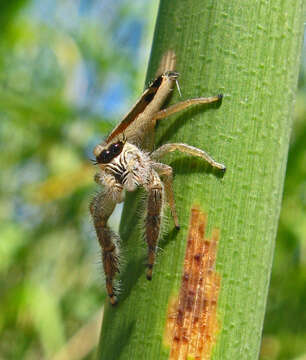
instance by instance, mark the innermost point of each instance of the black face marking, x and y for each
(110, 153)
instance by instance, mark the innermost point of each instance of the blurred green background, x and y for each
(68, 72)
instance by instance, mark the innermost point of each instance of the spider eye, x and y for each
(116, 149)
(107, 155)
(104, 157)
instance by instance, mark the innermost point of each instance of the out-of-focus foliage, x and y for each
(68, 70)
(285, 324)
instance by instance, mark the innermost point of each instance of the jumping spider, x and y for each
(125, 164)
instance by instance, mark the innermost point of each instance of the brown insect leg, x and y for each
(185, 104)
(188, 149)
(101, 208)
(166, 170)
(153, 221)
(167, 62)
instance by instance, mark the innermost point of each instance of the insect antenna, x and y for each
(178, 87)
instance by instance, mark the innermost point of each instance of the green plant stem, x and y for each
(249, 51)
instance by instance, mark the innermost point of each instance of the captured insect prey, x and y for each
(125, 163)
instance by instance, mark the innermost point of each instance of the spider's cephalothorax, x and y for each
(129, 166)
(125, 165)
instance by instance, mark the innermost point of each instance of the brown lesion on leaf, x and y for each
(192, 325)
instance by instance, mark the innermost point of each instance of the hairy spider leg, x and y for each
(101, 207)
(153, 219)
(167, 173)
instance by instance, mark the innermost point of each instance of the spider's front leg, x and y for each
(101, 208)
(153, 220)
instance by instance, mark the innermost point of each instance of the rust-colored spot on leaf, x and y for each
(192, 324)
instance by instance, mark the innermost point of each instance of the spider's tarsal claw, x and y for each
(113, 299)
(149, 272)
(221, 168)
(177, 227)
